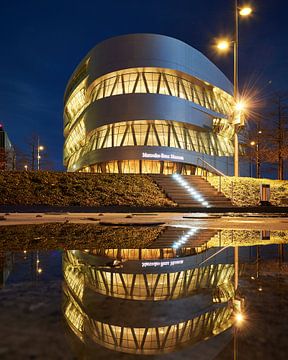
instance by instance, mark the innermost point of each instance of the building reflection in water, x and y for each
(182, 298)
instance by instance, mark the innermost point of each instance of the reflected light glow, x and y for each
(183, 239)
(239, 318)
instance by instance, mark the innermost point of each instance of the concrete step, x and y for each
(185, 195)
(191, 199)
(175, 185)
(199, 206)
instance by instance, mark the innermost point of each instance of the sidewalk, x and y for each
(127, 209)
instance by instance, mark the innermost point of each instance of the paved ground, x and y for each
(212, 221)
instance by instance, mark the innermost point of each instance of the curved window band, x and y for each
(149, 82)
(161, 82)
(148, 133)
(147, 340)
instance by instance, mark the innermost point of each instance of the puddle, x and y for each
(175, 298)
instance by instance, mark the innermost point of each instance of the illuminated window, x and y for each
(145, 133)
(161, 81)
(77, 102)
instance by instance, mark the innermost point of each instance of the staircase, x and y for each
(176, 237)
(191, 191)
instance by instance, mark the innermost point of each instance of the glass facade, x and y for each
(148, 340)
(158, 286)
(141, 286)
(144, 133)
(141, 167)
(148, 81)
(164, 82)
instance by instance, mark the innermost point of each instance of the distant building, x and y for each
(7, 152)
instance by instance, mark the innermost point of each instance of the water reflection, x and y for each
(170, 297)
(144, 278)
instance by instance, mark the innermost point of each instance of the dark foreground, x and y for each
(53, 307)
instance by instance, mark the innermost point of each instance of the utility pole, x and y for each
(280, 140)
(258, 160)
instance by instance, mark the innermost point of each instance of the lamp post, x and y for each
(39, 148)
(224, 45)
(257, 143)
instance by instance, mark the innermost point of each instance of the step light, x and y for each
(194, 194)
(183, 239)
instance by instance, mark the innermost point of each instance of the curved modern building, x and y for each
(146, 103)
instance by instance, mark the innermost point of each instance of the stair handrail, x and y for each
(217, 172)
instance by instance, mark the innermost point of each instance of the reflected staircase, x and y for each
(172, 236)
(191, 191)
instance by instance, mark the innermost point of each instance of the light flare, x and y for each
(245, 11)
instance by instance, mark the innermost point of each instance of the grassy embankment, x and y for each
(246, 191)
(247, 238)
(79, 189)
(75, 236)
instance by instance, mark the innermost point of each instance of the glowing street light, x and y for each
(240, 106)
(25, 167)
(223, 45)
(245, 11)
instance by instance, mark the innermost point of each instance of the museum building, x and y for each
(146, 103)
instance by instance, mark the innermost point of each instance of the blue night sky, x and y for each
(43, 41)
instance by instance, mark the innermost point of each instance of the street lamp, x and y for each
(239, 106)
(39, 148)
(257, 143)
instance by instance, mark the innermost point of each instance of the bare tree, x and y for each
(277, 127)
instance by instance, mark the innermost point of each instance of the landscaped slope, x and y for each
(71, 189)
(246, 191)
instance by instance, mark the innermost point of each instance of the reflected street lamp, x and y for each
(224, 45)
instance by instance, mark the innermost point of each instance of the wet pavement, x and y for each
(174, 299)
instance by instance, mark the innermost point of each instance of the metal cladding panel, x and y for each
(165, 266)
(158, 266)
(146, 107)
(222, 163)
(152, 50)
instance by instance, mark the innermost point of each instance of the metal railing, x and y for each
(206, 168)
